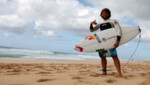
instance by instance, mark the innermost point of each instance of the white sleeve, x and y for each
(117, 27)
(94, 28)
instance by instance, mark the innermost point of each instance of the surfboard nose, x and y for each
(78, 48)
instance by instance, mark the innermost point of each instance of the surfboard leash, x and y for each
(134, 51)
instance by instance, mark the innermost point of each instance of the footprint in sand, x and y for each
(44, 80)
(110, 80)
(86, 72)
(131, 75)
(14, 72)
(146, 75)
(96, 75)
(43, 73)
(77, 77)
(146, 82)
(143, 74)
(128, 76)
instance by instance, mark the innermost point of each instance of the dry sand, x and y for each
(46, 72)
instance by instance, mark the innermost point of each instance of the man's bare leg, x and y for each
(117, 64)
(104, 64)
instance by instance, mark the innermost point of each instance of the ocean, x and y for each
(19, 53)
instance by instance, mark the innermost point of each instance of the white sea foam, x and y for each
(6, 52)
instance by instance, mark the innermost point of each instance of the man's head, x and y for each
(105, 13)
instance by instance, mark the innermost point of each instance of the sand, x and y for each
(47, 72)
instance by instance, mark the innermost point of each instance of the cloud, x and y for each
(46, 17)
(9, 20)
(56, 15)
(7, 6)
(14, 23)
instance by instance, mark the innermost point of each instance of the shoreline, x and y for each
(64, 60)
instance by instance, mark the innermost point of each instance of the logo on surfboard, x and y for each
(90, 37)
(104, 39)
(111, 37)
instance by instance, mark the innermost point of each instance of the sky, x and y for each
(57, 25)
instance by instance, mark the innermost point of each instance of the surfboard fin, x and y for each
(139, 29)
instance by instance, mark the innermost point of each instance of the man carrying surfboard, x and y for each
(105, 15)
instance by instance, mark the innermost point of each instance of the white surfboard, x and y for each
(106, 39)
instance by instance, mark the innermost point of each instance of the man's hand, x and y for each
(116, 44)
(94, 22)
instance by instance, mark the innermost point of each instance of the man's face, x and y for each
(105, 15)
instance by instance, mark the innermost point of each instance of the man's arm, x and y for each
(119, 33)
(94, 28)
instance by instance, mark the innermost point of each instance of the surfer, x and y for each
(105, 15)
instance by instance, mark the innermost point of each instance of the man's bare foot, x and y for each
(120, 75)
(104, 73)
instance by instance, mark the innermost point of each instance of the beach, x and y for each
(86, 72)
